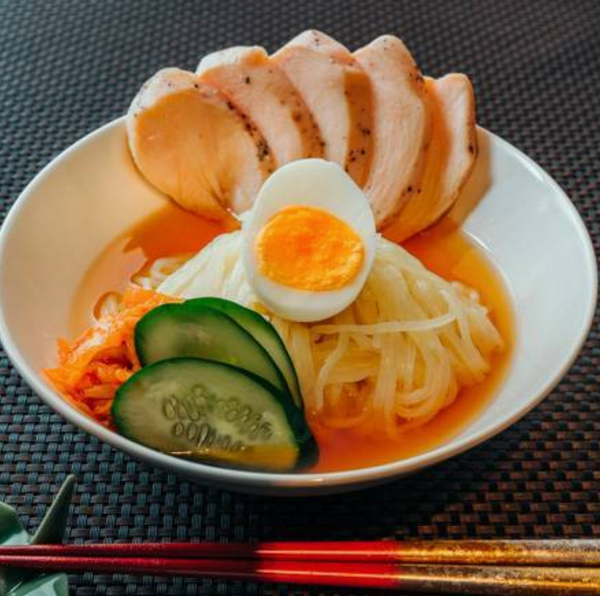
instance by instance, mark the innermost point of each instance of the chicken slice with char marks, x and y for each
(263, 93)
(338, 94)
(452, 155)
(192, 144)
(401, 126)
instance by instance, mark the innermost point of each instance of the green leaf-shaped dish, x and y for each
(25, 583)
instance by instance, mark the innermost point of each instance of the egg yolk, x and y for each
(309, 249)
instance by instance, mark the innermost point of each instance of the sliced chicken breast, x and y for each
(192, 144)
(261, 91)
(338, 94)
(400, 125)
(451, 156)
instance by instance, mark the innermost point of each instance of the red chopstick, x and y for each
(560, 553)
(456, 579)
(381, 575)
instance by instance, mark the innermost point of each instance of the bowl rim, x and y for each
(296, 480)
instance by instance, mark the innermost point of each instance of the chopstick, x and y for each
(559, 553)
(439, 579)
(492, 567)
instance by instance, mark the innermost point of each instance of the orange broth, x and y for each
(170, 231)
(444, 249)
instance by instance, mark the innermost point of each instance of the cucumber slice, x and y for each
(188, 330)
(212, 412)
(264, 333)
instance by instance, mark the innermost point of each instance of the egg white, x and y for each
(314, 183)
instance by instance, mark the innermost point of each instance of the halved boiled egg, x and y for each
(309, 241)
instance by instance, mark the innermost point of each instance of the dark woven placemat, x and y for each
(67, 67)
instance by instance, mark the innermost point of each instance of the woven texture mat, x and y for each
(68, 67)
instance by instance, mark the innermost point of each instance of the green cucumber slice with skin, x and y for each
(188, 330)
(264, 333)
(213, 412)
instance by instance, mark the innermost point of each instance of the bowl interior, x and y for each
(92, 193)
(537, 241)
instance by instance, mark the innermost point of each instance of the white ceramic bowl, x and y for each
(91, 193)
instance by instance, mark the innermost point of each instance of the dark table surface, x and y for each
(68, 67)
